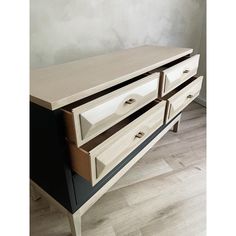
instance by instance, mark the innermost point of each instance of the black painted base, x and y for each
(49, 160)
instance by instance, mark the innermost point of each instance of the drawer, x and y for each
(88, 120)
(100, 155)
(179, 98)
(175, 75)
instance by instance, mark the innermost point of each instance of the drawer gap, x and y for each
(105, 135)
(174, 91)
(170, 64)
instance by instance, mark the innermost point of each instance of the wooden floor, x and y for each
(163, 194)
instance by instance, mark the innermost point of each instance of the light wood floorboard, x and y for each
(162, 195)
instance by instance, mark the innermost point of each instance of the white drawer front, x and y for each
(118, 146)
(98, 115)
(185, 96)
(176, 75)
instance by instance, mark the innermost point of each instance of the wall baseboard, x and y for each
(201, 101)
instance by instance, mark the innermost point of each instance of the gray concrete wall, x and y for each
(65, 30)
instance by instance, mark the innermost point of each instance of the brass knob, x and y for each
(130, 101)
(186, 71)
(139, 135)
(189, 96)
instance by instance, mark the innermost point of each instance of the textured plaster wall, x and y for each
(65, 30)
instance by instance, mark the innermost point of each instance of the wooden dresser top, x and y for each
(59, 85)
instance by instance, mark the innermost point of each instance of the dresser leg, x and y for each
(75, 224)
(176, 127)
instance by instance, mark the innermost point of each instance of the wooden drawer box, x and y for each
(99, 156)
(180, 97)
(175, 75)
(88, 120)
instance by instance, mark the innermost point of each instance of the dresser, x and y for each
(91, 120)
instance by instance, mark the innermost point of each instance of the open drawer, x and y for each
(100, 155)
(85, 121)
(180, 97)
(175, 75)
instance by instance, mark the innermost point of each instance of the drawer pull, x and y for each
(186, 71)
(130, 101)
(139, 135)
(190, 96)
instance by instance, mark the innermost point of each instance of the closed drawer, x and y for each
(178, 74)
(179, 98)
(99, 156)
(90, 119)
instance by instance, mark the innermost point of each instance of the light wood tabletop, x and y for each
(59, 85)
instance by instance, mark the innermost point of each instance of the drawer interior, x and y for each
(108, 133)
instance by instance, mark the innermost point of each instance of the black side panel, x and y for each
(84, 190)
(49, 166)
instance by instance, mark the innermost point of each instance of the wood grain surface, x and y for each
(59, 85)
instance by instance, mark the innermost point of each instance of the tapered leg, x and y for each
(176, 127)
(75, 224)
